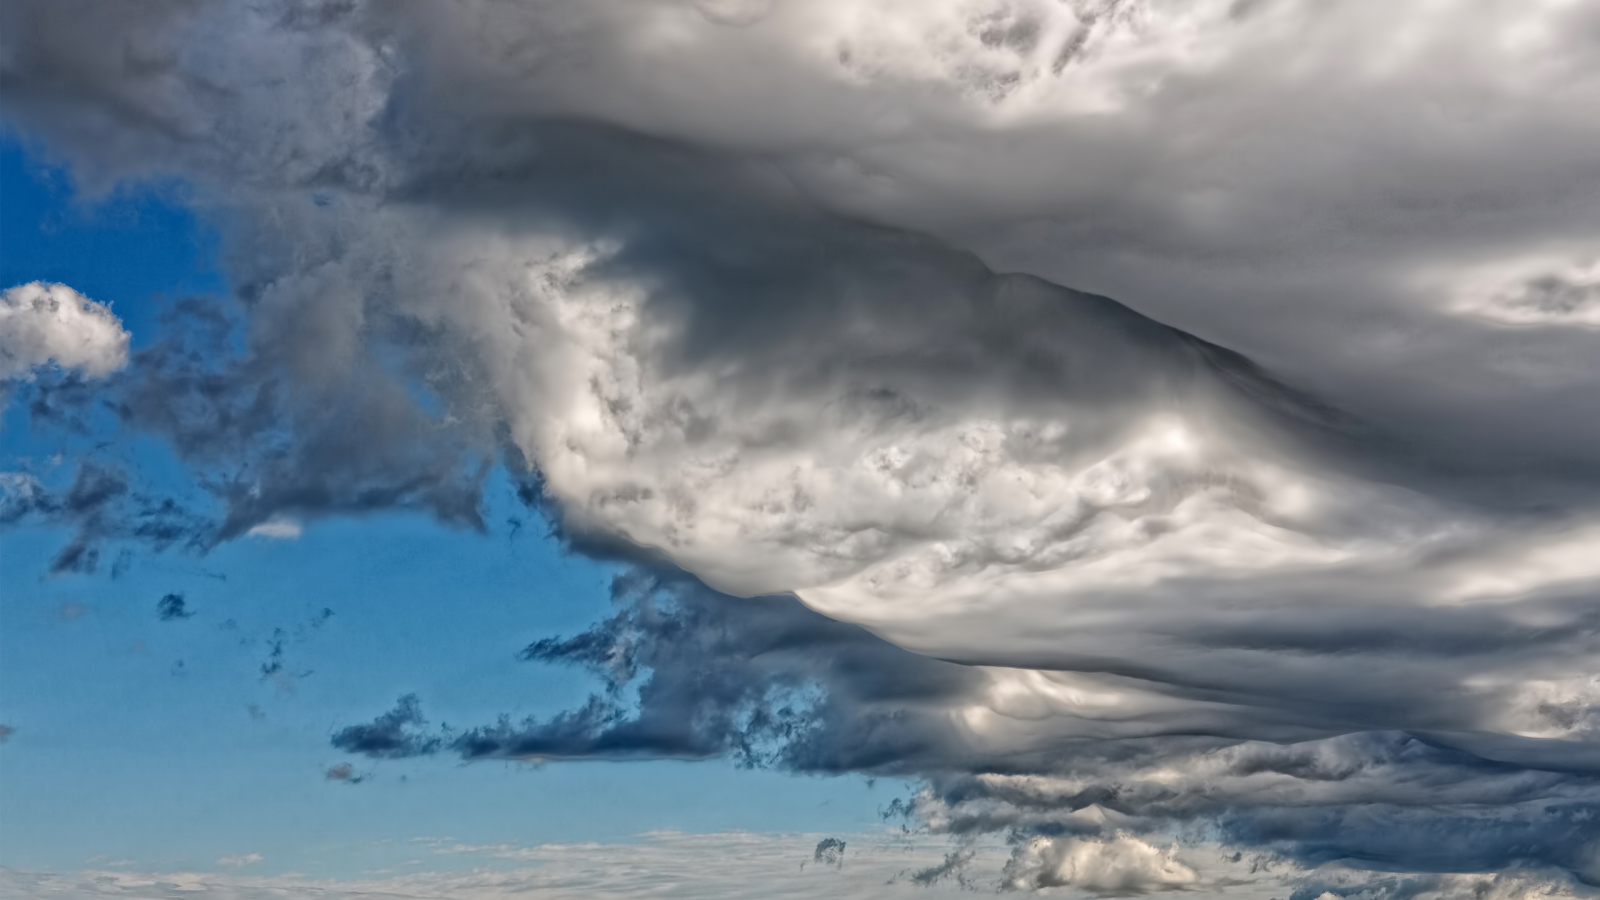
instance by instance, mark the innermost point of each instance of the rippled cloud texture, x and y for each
(1171, 418)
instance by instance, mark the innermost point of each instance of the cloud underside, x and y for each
(693, 674)
(767, 298)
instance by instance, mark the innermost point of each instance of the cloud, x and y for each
(1122, 389)
(246, 859)
(829, 852)
(100, 504)
(753, 679)
(343, 772)
(259, 453)
(1119, 866)
(766, 681)
(172, 607)
(1338, 885)
(952, 870)
(276, 529)
(738, 864)
(1551, 294)
(394, 734)
(665, 863)
(51, 323)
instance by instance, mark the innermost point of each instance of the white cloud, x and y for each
(51, 323)
(240, 861)
(659, 864)
(1122, 864)
(1534, 291)
(277, 529)
(738, 865)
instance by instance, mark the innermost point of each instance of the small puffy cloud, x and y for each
(171, 607)
(42, 323)
(1121, 865)
(394, 735)
(243, 859)
(829, 852)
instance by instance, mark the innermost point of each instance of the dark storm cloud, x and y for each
(767, 682)
(755, 680)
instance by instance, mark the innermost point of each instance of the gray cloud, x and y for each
(171, 607)
(767, 682)
(262, 446)
(772, 293)
(273, 444)
(830, 852)
(345, 773)
(100, 504)
(396, 733)
(752, 679)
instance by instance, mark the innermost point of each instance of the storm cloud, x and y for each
(1125, 416)
(690, 674)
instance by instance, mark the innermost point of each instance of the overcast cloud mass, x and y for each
(1141, 421)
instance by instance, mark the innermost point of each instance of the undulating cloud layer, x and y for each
(1293, 543)
(741, 865)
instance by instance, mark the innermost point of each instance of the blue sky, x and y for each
(161, 744)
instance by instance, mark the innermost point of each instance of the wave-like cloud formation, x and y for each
(771, 292)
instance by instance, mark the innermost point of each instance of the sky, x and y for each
(769, 448)
(159, 740)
